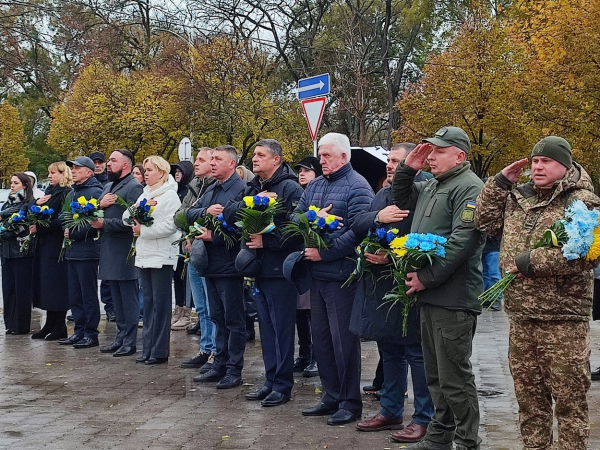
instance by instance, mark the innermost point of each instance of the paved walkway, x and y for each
(61, 398)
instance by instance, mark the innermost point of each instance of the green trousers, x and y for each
(447, 337)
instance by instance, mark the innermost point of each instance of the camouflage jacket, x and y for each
(552, 288)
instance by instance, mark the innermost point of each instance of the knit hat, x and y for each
(556, 148)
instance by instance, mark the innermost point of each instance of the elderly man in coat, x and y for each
(344, 193)
(121, 275)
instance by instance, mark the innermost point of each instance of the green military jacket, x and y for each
(445, 205)
(553, 287)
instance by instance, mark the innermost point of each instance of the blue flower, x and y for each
(311, 215)
(441, 240)
(257, 200)
(35, 209)
(381, 233)
(321, 222)
(75, 206)
(389, 236)
(412, 240)
(334, 225)
(265, 201)
(426, 246)
(145, 208)
(47, 212)
(220, 218)
(143, 202)
(88, 207)
(440, 251)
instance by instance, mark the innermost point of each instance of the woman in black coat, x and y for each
(50, 275)
(16, 265)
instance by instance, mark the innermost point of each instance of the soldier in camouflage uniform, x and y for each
(549, 303)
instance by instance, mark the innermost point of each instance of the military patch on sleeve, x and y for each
(471, 205)
(467, 214)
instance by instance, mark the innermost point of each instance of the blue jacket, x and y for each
(85, 246)
(275, 247)
(221, 260)
(350, 194)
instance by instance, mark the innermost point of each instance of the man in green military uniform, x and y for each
(449, 287)
(549, 304)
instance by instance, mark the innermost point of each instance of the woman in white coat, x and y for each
(156, 258)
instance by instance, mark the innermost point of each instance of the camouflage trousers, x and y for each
(549, 361)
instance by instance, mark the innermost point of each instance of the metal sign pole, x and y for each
(315, 149)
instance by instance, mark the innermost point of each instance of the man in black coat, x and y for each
(117, 237)
(276, 297)
(223, 282)
(82, 261)
(371, 319)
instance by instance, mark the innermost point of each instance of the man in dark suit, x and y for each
(223, 282)
(120, 275)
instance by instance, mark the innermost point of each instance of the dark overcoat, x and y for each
(116, 236)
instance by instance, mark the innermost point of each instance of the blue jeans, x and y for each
(207, 327)
(141, 300)
(396, 358)
(491, 272)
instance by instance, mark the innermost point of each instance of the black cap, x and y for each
(82, 161)
(310, 163)
(297, 272)
(97, 155)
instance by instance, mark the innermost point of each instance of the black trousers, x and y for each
(83, 296)
(126, 304)
(17, 292)
(156, 287)
(336, 348)
(276, 306)
(106, 297)
(226, 305)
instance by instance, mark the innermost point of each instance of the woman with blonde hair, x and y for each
(156, 258)
(49, 274)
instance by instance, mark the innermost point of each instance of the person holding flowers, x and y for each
(116, 270)
(343, 193)
(375, 320)
(156, 257)
(17, 266)
(223, 282)
(448, 287)
(275, 296)
(48, 271)
(550, 300)
(82, 256)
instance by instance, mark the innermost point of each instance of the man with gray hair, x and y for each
(344, 193)
(275, 296)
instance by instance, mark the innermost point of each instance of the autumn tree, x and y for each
(12, 143)
(471, 85)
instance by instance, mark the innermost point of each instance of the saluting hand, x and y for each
(513, 171)
(417, 159)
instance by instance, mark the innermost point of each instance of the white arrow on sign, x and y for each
(313, 111)
(320, 85)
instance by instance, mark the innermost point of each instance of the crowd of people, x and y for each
(292, 288)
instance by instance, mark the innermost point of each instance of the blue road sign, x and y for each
(313, 86)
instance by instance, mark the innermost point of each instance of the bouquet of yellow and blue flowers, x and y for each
(78, 214)
(314, 230)
(377, 240)
(215, 224)
(141, 213)
(410, 253)
(38, 216)
(577, 234)
(13, 221)
(258, 215)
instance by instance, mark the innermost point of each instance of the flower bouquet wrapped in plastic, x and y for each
(577, 234)
(38, 216)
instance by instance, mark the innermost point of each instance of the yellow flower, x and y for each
(271, 201)
(249, 201)
(14, 215)
(397, 246)
(314, 208)
(75, 216)
(82, 201)
(151, 209)
(43, 208)
(394, 230)
(594, 252)
(94, 202)
(329, 219)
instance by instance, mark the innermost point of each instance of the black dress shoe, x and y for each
(261, 394)
(196, 362)
(70, 318)
(275, 399)
(229, 381)
(20, 332)
(86, 342)
(211, 375)
(300, 363)
(126, 350)
(342, 417)
(111, 348)
(311, 370)
(110, 316)
(70, 340)
(141, 359)
(320, 409)
(596, 374)
(194, 329)
(153, 361)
